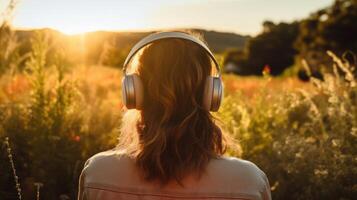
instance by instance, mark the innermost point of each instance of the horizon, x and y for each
(131, 30)
(240, 16)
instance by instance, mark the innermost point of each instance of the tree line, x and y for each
(282, 46)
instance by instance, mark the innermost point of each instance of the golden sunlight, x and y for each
(74, 17)
(77, 16)
(70, 29)
(289, 72)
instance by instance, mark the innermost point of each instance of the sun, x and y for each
(70, 29)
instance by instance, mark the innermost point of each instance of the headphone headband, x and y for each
(166, 35)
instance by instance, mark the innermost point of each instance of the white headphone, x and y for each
(132, 86)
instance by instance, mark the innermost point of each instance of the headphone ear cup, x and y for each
(212, 96)
(128, 92)
(132, 92)
(217, 94)
(207, 94)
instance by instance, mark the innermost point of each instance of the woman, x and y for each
(170, 146)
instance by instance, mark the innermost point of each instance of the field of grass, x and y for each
(303, 135)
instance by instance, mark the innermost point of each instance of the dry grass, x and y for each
(100, 82)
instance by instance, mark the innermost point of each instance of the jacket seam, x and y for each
(166, 195)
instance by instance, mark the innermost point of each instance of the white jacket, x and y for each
(112, 175)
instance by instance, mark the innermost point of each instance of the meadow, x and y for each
(54, 116)
(60, 103)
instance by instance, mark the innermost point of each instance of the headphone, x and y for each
(132, 86)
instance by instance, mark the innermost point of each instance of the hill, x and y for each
(91, 46)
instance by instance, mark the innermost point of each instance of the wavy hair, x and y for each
(173, 135)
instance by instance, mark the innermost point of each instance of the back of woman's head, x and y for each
(173, 134)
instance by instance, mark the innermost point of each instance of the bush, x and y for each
(50, 135)
(305, 142)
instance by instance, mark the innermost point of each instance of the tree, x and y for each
(333, 28)
(273, 47)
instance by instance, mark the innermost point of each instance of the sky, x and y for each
(238, 16)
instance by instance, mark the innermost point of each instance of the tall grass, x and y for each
(13, 168)
(55, 127)
(56, 116)
(304, 140)
(9, 45)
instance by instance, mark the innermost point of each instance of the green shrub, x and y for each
(305, 142)
(51, 133)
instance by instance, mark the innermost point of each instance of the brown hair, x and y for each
(173, 134)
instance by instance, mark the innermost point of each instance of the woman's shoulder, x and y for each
(106, 155)
(242, 175)
(238, 164)
(106, 161)
(238, 170)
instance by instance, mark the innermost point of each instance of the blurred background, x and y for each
(289, 69)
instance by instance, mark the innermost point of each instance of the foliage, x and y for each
(9, 45)
(262, 50)
(9, 49)
(283, 45)
(333, 28)
(113, 54)
(50, 134)
(304, 141)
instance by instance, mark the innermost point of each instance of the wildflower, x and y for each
(38, 187)
(76, 138)
(16, 178)
(266, 70)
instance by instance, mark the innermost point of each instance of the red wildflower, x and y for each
(266, 69)
(76, 138)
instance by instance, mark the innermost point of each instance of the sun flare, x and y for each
(75, 17)
(78, 16)
(70, 29)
